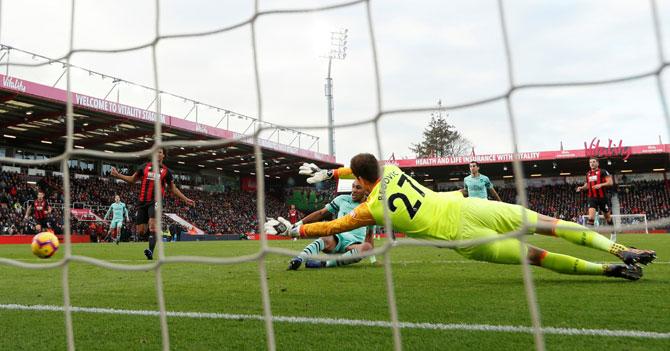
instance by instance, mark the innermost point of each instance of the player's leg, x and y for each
(43, 222)
(571, 265)
(503, 218)
(581, 235)
(343, 242)
(151, 211)
(118, 228)
(591, 220)
(592, 212)
(140, 229)
(606, 207)
(110, 230)
(152, 238)
(345, 259)
(325, 244)
(510, 251)
(142, 220)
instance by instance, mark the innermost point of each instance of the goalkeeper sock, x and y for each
(581, 235)
(344, 260)
(570, 265)
(152, 242)
(314, 248)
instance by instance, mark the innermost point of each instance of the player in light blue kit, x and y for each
(119, 210)
(478, 185)
(347, 244)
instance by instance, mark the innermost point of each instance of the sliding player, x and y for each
(421, 213)
(119, 211)
(348, 243)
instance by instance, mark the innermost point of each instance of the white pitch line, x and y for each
(352, 322)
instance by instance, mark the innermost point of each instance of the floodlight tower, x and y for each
(338, 50)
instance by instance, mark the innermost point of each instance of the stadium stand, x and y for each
(232, 211)
(561, 201)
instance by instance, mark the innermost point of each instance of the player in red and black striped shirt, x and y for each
(292, 214)
(146, 202)
(41, 210)
(598, 181)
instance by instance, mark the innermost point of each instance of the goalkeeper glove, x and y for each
(282, 227)
(317, 174)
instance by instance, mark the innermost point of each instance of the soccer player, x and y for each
(119, 211)
(348, 243)
(598, 181)
(147, 201)
(293, 215)
(477, 184)
(421, 213)
(41, 210)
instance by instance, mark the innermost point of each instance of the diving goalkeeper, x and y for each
(421, 213)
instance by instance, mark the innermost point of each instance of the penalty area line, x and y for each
(351, 322)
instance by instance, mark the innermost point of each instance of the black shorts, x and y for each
(42, 222)
(603, 204)
(145, 211)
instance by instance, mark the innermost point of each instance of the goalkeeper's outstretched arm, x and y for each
(281, 226)
(315, 216)
(359, 217)
(317, 175)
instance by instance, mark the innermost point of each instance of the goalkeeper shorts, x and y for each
(488, 219)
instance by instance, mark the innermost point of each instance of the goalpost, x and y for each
(622, 222)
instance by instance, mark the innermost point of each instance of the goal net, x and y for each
(503, 98)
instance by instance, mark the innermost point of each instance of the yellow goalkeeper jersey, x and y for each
(414, 209)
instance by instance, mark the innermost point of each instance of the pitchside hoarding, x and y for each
(531, 156)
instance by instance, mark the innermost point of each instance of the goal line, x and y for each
(349, 322)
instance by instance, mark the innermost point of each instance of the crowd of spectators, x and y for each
(232, 211)
(309, 199)
(562, 201)
(559, 201)
(15, 193)
(645, 197)
(229, 212)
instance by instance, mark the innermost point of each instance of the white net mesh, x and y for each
(381, 112)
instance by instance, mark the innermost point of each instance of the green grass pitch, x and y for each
(431, 285)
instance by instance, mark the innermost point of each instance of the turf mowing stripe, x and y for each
(350, 322)
(394, 261)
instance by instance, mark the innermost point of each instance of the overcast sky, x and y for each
(428, 50)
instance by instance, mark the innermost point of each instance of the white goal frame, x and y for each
(600, 220)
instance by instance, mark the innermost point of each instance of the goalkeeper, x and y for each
(421, 213)
(348, 243)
